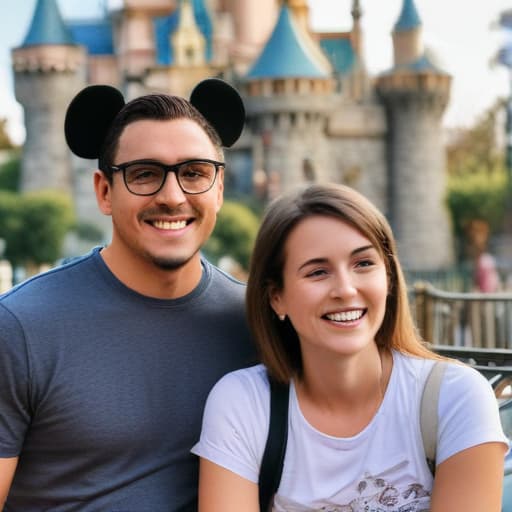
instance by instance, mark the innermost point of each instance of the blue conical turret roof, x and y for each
(47, 26)
(409, 18)
(285, 55)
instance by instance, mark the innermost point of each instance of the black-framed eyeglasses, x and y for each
(147, 177)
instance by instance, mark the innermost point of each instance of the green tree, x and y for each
(479, 196)
(475, 150)
(477, 178)
(10, 172)
(34, 226)
(234, 233)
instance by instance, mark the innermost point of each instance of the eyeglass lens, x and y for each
(147, 178)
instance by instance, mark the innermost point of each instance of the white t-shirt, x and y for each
(382, 468)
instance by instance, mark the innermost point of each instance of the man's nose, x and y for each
(171, 193)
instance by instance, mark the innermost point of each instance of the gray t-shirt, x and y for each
(102, 389)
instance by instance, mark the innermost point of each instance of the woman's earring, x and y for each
(282, 317)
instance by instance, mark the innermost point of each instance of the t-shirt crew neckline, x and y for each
(113, 281)
(345, 443)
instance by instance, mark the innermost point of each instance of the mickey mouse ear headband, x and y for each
(92, 111)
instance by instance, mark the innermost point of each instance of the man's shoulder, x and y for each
(223, 283)
(57, 281)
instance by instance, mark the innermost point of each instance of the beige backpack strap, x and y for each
(428, 412)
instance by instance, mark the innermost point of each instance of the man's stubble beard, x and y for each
(170, 263)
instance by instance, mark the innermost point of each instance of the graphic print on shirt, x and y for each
(374, 494)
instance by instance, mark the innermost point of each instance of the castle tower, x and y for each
(187, 41)
(48, 71)
(359, 83)
(136, 35)
(415, 94)
(289, 96)
(253, 21)
(357, 31)
(184, 50)
(299, 9)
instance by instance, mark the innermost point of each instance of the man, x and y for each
(105, 363)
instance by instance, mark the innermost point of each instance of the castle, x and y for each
(313, 111)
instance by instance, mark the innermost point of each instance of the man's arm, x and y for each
(7, 468)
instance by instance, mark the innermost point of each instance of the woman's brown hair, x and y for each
(277, 341)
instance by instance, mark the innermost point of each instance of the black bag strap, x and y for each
(275, 448)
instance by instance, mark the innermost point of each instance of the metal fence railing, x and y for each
(479, 320)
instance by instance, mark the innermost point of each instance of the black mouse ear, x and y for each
(89, 117)
(222, 107)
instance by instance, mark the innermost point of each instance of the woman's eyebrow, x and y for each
(318, 261)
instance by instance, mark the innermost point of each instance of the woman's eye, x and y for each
(316, 273)
(365, 263)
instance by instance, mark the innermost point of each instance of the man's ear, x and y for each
(102, 188)
(220, 188)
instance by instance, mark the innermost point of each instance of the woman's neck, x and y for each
(340, 397)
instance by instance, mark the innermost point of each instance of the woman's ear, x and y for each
(276, 302)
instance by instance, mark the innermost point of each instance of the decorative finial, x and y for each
(356, 11)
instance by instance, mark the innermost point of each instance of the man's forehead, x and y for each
(166, 140)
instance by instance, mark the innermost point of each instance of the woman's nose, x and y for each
(343, 285)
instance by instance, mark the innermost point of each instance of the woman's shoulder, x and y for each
(246, 383)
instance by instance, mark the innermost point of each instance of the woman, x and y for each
(327, 304)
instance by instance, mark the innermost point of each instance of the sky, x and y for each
(463, 36)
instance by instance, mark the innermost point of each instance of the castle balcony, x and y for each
(290, 87)
(291, 95)
(406, 85)
(48, 58)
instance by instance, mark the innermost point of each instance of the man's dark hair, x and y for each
(154, 107)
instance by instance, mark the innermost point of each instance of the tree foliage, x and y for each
(10, 172)
(475, 150)
(34, 226)
(479, 196)
(477, 175)
(234, 233)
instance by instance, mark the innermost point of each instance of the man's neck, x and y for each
(147, 278)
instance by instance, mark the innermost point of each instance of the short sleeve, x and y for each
(14, 395)
(468, 412)
(235, 422)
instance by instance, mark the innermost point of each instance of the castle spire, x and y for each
(300, 11)
(187, 41)
(407, 36)
(285, 54)
(47, 26)
(357, 33)
(409, 18)
(356, 11)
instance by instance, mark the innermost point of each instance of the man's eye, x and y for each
(192, 173)
(197, 171)
(142, 174)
